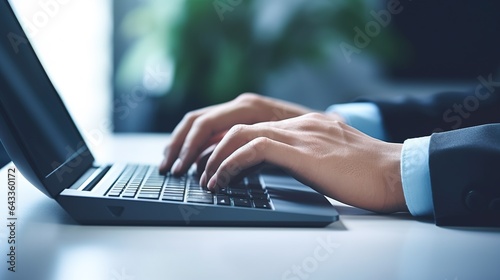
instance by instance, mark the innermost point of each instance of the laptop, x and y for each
(43, 142)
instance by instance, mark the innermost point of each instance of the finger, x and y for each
(172, 149)
(205, 127)
(238, 136)
(202, 160)
(256, 151)
(178, 136)
(208, 149)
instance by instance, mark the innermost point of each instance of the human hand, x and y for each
(205, 127)
(325, 154)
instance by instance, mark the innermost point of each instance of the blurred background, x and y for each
(140, 65)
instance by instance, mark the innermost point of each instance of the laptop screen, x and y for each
(36, 129)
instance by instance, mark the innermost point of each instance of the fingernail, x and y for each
(203, 179)
(212, 183)
(176, 168)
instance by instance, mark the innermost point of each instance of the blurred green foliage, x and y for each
(222, 48)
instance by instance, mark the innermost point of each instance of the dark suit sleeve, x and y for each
(414, 116)
(464, 154)
(465, 176)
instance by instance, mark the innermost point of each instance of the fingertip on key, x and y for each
(177, 167)
(203, 179)
(212, 183)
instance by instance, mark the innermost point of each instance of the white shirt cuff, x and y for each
(415, 176)
(363, 116)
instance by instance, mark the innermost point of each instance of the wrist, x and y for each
(394, 200)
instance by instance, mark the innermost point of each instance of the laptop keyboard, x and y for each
(144, 182)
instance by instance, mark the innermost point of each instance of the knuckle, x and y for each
(237, 129)
(315, 115)
(248, 98)
(340, 124)
(229, 167)
(190, 116)
(260, 143)
(223, 168)
(223, 176)
(201, 122)
(265, 130)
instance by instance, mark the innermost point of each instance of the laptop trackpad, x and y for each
(289, 193)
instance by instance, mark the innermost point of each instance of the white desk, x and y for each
(362, 245)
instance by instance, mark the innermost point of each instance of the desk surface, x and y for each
(362, 245)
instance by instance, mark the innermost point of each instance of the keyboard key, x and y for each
(242, 202)
(223, 191)
(237, 185)
(253, 179)
(157, 185)
(199, 192)
(151, 188)
(174, 187)
(148, 195)
(262, 197)
(258, 192)
(253, 182)
(194, 185)
(239, 192)
(255, 186)
(202, 195)
(174, 191)
(199, 199)
(113, 190)
(261, 204)
(223, 200)
(128, 194)
(114, 194)
(177, 181)
(172, 197)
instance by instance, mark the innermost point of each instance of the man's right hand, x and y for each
(203, 128)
